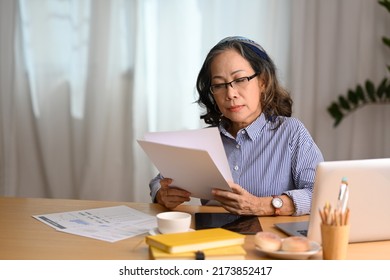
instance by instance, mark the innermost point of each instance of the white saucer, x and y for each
(155, 231)
(314, 249)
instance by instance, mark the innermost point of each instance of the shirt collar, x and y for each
(253, 130)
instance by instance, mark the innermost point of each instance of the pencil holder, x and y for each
(334, 241)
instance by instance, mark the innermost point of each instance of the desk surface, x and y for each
(23, 237)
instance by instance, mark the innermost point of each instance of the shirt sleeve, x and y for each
(155, 186)
(305, 156)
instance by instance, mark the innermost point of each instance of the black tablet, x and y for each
(236, 223)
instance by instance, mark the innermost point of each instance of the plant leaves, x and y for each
(336, 123)
(386, 41)
(381, 89)
(360, 93)
(388, 92)
(385, 3)
(344, 103)
(353, 98)
(335, 111)
(363, 95)
(370, 88)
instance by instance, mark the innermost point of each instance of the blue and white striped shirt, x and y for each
(267, 161)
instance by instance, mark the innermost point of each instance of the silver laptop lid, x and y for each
(369, 192)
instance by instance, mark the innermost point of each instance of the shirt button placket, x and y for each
(236, 166)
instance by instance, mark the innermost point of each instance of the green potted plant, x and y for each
(365, 94)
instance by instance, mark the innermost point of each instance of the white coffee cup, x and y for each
(173, 222)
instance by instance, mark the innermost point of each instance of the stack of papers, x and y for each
(108, 224)
(194, 159)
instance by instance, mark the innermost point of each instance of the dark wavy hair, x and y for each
(275, 100)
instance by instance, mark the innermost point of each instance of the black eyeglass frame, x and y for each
(231, 82)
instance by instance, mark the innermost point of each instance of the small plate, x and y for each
(155, 231)
(314, 249)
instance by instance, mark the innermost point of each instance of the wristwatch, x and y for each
(277, 203)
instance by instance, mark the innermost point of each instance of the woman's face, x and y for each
(240, 104)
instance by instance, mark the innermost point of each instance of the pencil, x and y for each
(346, 218)
(322, 215)
(327, 213)
(336, 218)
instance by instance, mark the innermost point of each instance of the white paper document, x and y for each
(108, 223)
(194, 159)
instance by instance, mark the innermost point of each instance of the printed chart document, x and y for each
(108, 223)
(194, 159)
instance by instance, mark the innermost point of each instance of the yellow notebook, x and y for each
(195, 240)
(223, 253)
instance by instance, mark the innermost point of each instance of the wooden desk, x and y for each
(23, 237)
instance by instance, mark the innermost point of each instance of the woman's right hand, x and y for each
(170, 197)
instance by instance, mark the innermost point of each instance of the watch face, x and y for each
(277, 202)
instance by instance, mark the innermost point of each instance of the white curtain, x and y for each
(80, 81)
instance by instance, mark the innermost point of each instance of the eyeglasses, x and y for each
(239, 83)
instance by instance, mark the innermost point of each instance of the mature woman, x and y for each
(271, 155)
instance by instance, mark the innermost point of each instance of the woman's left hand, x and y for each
(239, 201)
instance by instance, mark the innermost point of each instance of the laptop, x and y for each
(369, 192)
